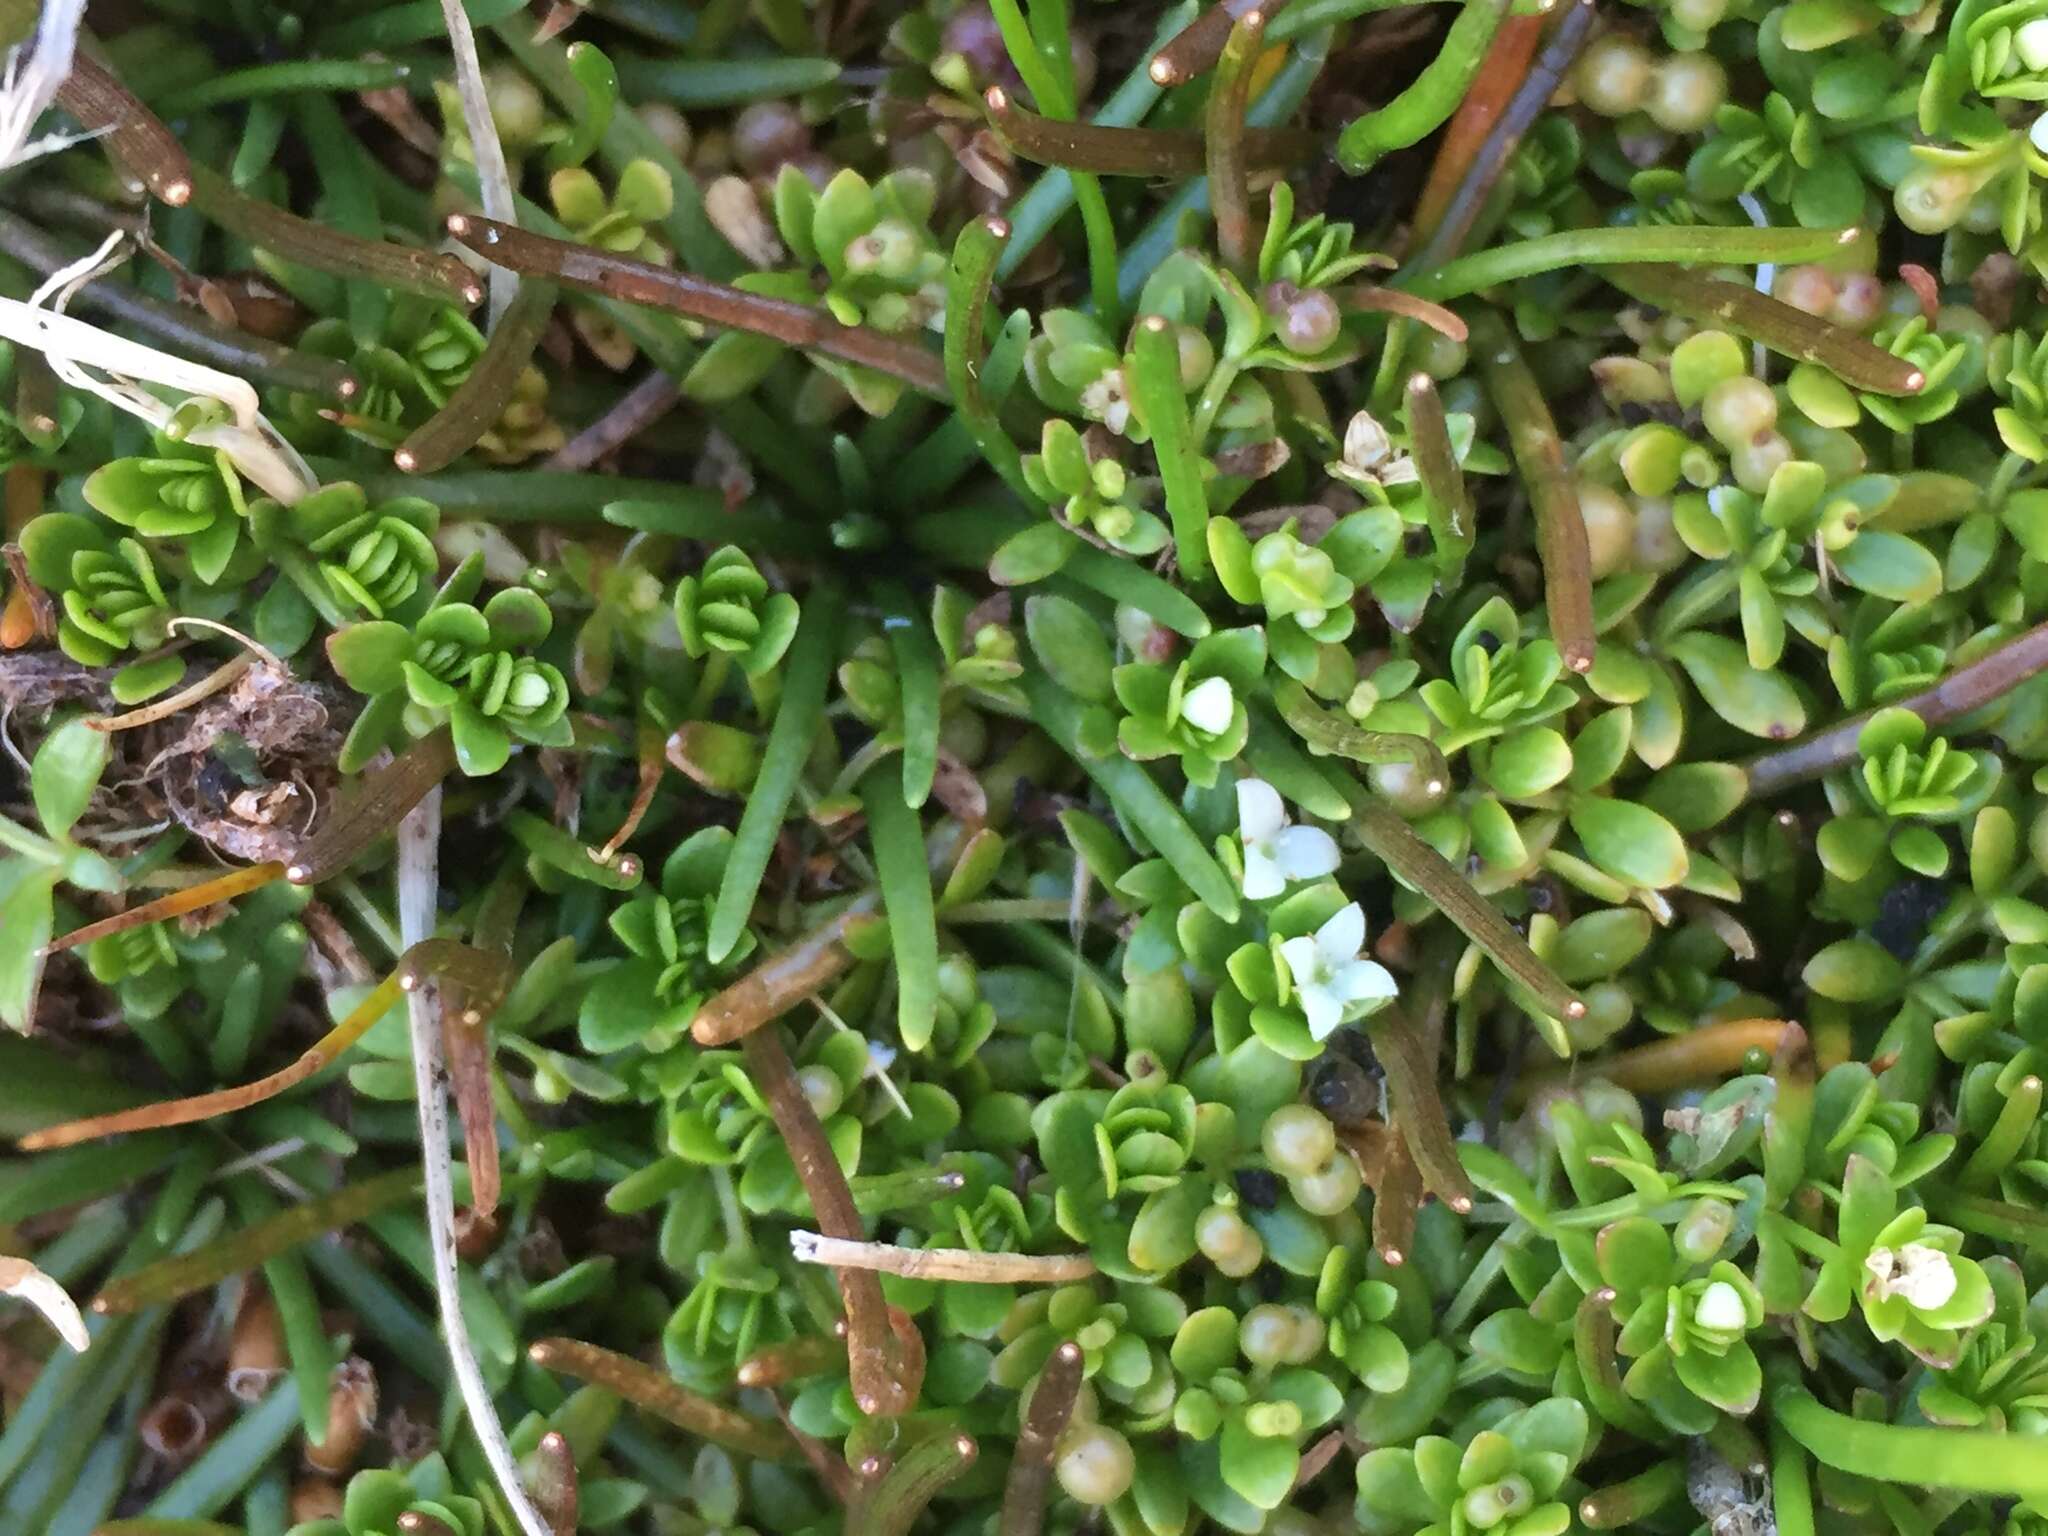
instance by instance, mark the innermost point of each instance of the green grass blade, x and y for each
(917, 680)
(898, 839)
(808, 670)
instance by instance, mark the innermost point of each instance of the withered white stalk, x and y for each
(20, 1278)
(116, 369)
(494, 177)
(964, 1264)
(34, 71)
(419, 883)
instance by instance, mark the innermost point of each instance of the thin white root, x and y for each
(965, 1264)
(419, 882)
(20, 1278)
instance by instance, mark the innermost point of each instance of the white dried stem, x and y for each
(20, 1278)
(494, 178)
(117, 369)
(419, 883)
(964, 1264)
(29, 84)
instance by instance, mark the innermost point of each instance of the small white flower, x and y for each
(1923, 1275)
(1720, 1309)
(1330, 977)
(1209, 705)
(1274, 852)
(1369, 457)
(1107, 401)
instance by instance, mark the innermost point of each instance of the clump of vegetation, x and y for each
(1260, 769)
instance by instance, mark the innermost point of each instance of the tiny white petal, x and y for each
(2030, 42)
(1924, 1276)
(1305, 853)
(1365, 441)
(1209, 705)
(1720, 1309)
(1301, 958)
(1262, 876)
(1323, 1011)
(1341, 938)
(1260, 812)
(2038, 134)
(1365, 981)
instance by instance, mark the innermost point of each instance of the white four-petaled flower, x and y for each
(1331, 979)
(1274, 852)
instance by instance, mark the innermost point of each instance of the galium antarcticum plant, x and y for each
(1152, 871)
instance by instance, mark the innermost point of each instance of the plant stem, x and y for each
(1039, 1429)
(1224, 136)
(653, 1390)
(1711, 244)
(1560, 526)
(1739, 308)
(1963, 692)
(402, 268)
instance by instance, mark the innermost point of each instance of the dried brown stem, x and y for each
(890, 1504)
(1417, 864)
(1963, 692)
(637, 410)
(480, 399)
(966, 1265)
(1477, 148)
(1560, 526)
(640, 282)
(1855, 360)
(826, 1463)
(1692, 1060)
(552, 1482)
(136, 138)
(1417, 1109)
(783, 980)
(482, 977)
(432, 275)
(1396, 1196)
(178, 328)
(236, 882)
(382, 798)
(1436, 462)
(1199, 44)
(645, 1387)
(1038, 1437)
(1371, 298)
(1223, 132)
(652, 761)
(882, 1384)
(1082, 146)
(795, 1360)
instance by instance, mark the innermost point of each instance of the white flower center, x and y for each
(1209, 705)
(1720, 1309)
(1924, 1276)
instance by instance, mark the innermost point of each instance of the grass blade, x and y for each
(808, 670)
